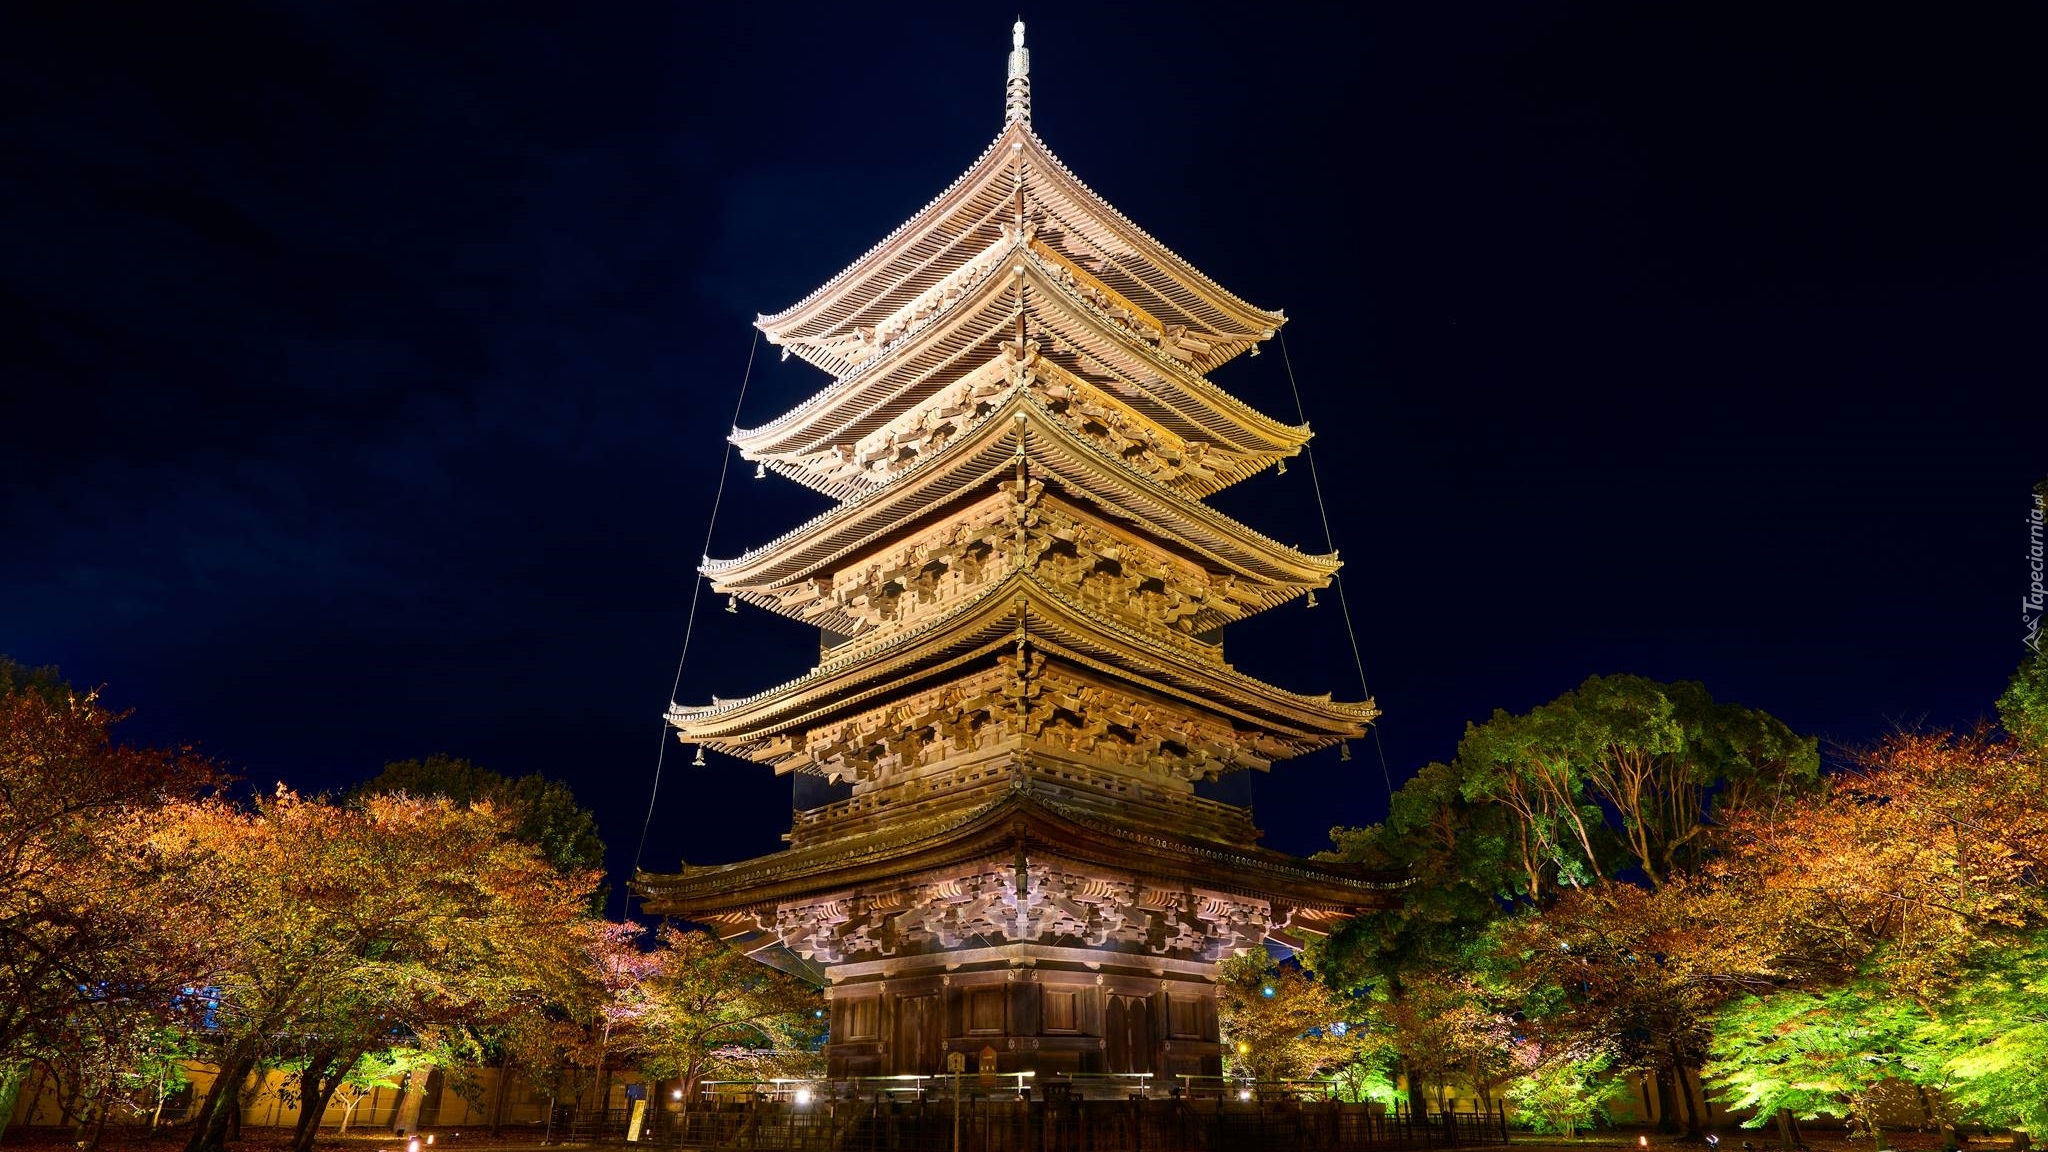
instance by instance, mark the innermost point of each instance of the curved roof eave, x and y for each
(797, 430)
(959, 189)
(995, 825)
(992, 610)
(985, 167)
(1071, 445)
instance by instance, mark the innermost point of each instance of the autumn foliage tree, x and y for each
(93, 951)
(543, 812)
(707, 1012)
(1901, 916)
(1279, 1023)
(345, 926)
(1555, 861)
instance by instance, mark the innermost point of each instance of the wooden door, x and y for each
(920, 1022)
(1127, 1030)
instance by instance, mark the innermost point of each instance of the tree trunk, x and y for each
(1784, 1120)
(1683, 1088)
(1667, 1107)
(1690, 1118)
(209, 1126)
(324, 1084)
(232, 1129)
(10, 1087)
(1418, 1100)
(498, 1092)
(309, 1090)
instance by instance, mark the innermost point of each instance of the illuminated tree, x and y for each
(1447, 1030)
(1819, 1053)
(1903, 913)
(544, 812)
(709, 1012)
(2023, 708)
(349, 926)
(1410, 964)
(1923, 858)
(94, 947)
(382, 1068)
(1993, 1034)
(1624, 973)
(1280, 1024)
(1561, 1089)
(1663, 757)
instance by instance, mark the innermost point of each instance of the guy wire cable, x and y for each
(1330, 542)
(696, 594)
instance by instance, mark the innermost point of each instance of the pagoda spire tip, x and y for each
(1017, 87)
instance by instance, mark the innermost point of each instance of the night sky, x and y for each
(366, 367)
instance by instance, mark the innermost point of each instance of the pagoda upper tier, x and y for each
(1023, 487)
(1017, 254)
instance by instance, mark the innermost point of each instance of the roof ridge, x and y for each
(1185, 264)
(762, 320)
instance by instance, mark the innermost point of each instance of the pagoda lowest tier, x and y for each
(1021, 678)
(1023, 931)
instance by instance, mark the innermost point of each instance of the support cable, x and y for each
(1330, 542)
(696, 594)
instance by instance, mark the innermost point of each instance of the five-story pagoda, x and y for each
(1022, 675)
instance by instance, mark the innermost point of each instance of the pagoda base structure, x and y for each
(1039, 914)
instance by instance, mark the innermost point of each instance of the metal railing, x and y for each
(1017, 1112)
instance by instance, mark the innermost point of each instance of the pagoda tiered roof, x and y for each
(834, 441)
(1018, 178)
(1016, 822)
(1020, 610)
(781, 575)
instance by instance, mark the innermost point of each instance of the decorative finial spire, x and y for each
(1017, 91)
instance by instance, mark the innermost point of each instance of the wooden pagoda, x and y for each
(1021, 596)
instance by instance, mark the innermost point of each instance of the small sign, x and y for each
(987, 1066)
(956, 1062)
(639, 1118)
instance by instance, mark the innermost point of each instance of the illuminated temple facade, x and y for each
(1022, 599)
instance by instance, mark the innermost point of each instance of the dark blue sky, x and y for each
(366, 366)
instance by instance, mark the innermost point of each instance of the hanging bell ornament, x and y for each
(1343, 751)
(699, 761)
(732, 605)
(1311, 598)
(760, 470)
